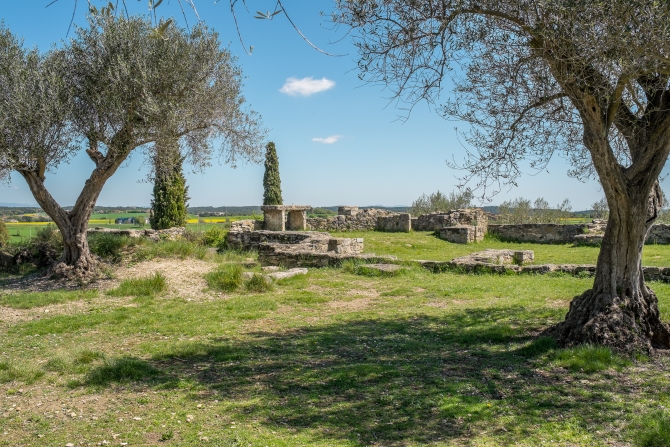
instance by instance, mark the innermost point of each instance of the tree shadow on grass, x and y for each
(389, 381)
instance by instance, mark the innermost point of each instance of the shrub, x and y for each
(149, 286)
(108, 245)
(227, 277)
(49, 235)
(4, 234)
(259, 284)
(214, 237)
(440, 202)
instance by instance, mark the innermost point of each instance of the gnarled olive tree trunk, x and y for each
(620, 310)
(77, 262)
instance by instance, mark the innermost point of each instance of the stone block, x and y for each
(474, 217)
(522, 257)
(275, 220)
(397, 223)
(347, 210)
(461, 234)
(345, 245)
(297, 220)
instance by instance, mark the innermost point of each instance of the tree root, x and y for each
(81, 272)
(631, 325)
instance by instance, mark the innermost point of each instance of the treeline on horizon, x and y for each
(229, 210)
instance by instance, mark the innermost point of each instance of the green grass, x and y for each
(258, 284)
(141, 287)
(425, 245)
(226, 277)
(29, 300)
(179, 248)
(332, 358)
(652, 429)
(590, 359)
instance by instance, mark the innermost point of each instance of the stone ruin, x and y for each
(285, 217)
(298, 249)
(462, 226)
(351, 218)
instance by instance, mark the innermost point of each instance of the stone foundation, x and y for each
(299, 249)
(155, 235)
(352, 220)
(397, 223)
(588, 234)
(462, 234)
(538, 233)
(473, 217)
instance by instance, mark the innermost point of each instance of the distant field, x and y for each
(25, 230)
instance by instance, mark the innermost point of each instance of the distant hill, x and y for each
(18, 205)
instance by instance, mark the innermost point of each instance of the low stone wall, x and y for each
(362, 220)
(156, 235)
(571, 233)
(436, 221)
(539, 233)
(462, 234)
(659, 234)
(251, 240)
(398, 223)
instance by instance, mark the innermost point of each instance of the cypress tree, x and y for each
(169, 204)
(271, 180)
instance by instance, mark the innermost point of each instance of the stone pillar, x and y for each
(297, 220)
(274, 220)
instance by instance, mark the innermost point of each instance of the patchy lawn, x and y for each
(327, 359)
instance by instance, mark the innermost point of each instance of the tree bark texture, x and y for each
(620, 311)
(77, 262)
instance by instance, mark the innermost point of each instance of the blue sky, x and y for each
(338, 139)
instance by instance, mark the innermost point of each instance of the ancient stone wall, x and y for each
(363, 220)
(462, 234)
(398, 223)
(571, 233)
(436, 221)
(659, 234)
(540, 233)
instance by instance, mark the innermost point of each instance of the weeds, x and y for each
(589, 359)
(141, 287)
(179, 248)
(258, 284)
(29, 300)
(226, 277)
(109, 246)
(652, 430)
(11, 372)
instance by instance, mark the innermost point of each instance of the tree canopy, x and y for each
(587, 78)
(114, 88)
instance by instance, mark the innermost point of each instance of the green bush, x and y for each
(48, 235)
(4, 234)
(226, 277)
(259, 284)
(214, 237)
(108, 245)
(149, 286)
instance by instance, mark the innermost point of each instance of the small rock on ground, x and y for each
(385, 268)
(288, 274)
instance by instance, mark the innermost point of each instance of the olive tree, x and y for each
(588, 79)
(114, 89)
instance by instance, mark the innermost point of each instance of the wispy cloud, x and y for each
(328, 140)
(306, 86)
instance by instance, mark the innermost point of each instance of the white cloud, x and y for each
(306, 86)
(328, 140)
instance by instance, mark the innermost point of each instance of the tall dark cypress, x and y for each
(170, 195)
(271, 180)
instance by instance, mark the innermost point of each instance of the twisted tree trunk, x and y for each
(620, 310)
(77, 262)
